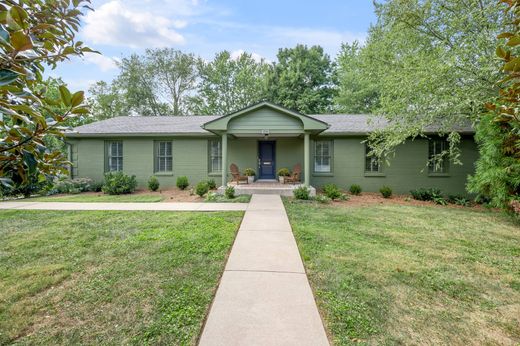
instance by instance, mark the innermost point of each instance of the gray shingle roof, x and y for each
(146, 125)
(185, 125)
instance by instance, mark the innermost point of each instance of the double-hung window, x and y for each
(322, 156)
(437, 160)
(114, 156)
(372, 162)
(163, 158)
(215, 156)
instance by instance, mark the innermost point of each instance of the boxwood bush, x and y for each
(153, 183)
(331, 191)
(302, 192)
(386, 191)
(182, 182)
(118, 183)
(202, 188)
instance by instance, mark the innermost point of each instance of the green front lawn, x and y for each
(90, 197)
(393, 274)
(82, 277)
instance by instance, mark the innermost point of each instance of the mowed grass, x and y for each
(391, 274)
(89, 197)
(94, 277)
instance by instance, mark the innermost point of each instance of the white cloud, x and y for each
(117, 24)
(256, 57)
(103, 62)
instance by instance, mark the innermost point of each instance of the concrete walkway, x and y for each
(264, 297)
(181, 206)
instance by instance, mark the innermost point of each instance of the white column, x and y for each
(224, 160)
(306, 159)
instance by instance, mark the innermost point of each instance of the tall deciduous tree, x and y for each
(227, 84)
(158, 82)
(434, 64)
(35, 34)
(303, 79)
(107, 101)
(175, 73)
(357, 91)
(498, 132)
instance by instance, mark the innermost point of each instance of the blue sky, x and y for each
(118, 28)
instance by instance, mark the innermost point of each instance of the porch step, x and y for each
(265, 188)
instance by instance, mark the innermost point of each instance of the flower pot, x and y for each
(281, 178)
(250, 179)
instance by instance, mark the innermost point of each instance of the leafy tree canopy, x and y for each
(358, 93)
(227, 84)
(303, 79)
(433, 63)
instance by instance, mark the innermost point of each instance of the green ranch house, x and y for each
(265, 137)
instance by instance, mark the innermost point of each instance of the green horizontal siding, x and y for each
(407, 169)
(265, 119)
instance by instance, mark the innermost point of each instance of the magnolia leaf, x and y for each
(7, 77)
(77, 98)
(505, 35)
(512, 66)
(30, 161)
(20, 41)
(17, 15)
(501, 52)
(514, 41)
(65, 95)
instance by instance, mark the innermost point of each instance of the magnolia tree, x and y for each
(34, 35)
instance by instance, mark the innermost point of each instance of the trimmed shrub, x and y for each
(230, 192)
(423, 194)
(322, 199)
(355, 189)
(386, 191)
(202, 188)
(249, 172)
(212, 184)
(153, 183)
(284, 172)
(118, 183)
(302, 192)
(182, 182)
(331, 191)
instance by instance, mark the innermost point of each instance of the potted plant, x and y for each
(250, 174)
(282, 173)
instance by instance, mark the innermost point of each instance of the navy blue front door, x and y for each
(266, 160)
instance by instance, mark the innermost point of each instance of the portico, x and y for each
(266, 137)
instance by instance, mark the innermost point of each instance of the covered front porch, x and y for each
(265, 138)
